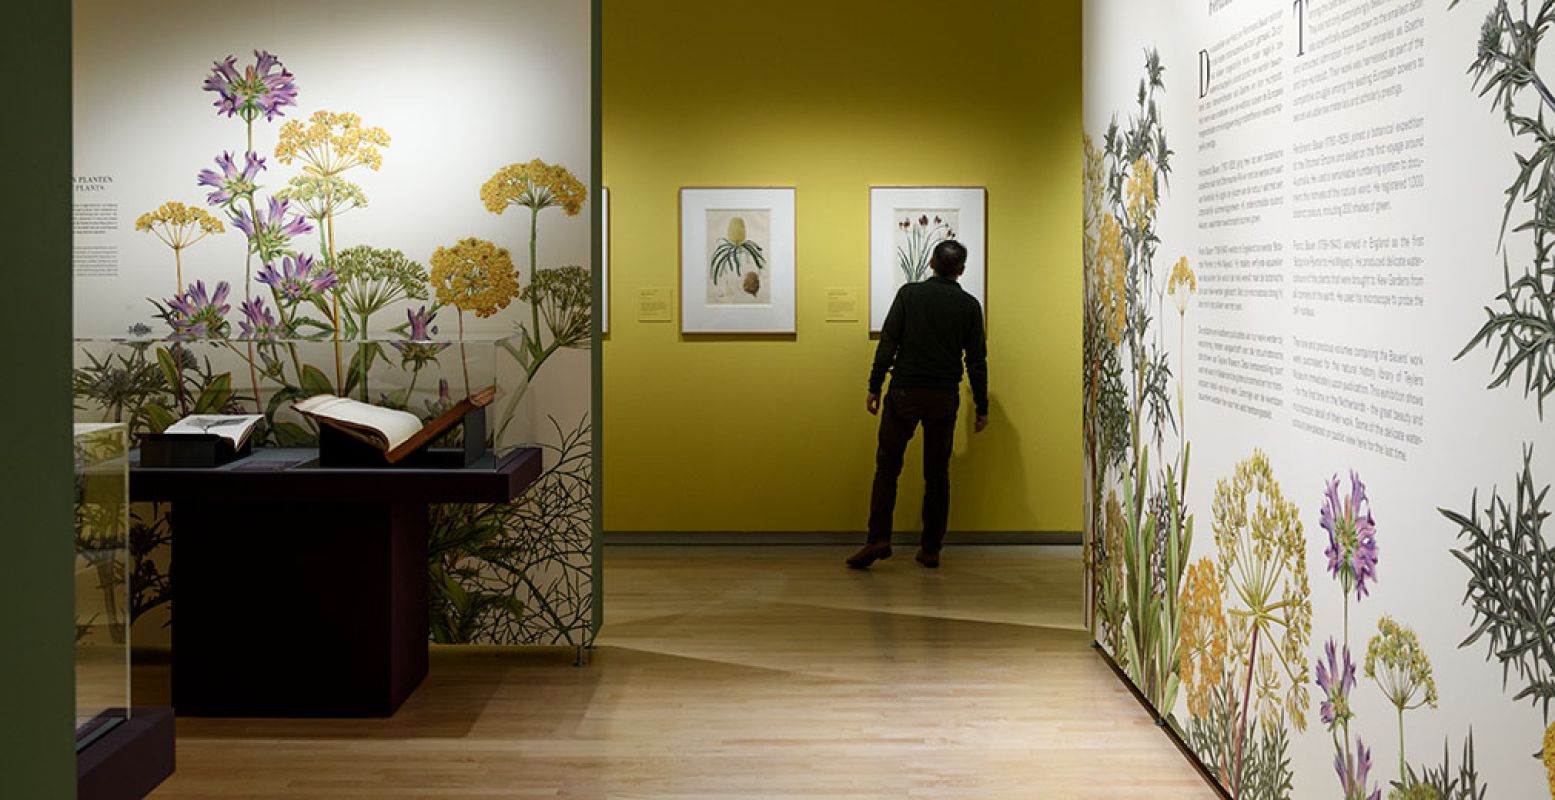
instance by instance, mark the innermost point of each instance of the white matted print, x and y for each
(604, 259)
(737, 260)
(906, 223)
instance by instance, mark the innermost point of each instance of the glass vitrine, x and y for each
(148, 384)
(102, 601)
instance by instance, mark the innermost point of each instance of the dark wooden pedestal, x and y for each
(298, 609)
(132, 758)
(301, 591)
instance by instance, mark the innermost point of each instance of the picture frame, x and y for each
(604, 260)
(738, 260)
(905, 224)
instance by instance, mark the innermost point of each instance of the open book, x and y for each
(396, 433)
(233, 428)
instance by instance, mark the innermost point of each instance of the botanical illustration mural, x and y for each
(1353, 620)
(323, 310)
(1136, 444)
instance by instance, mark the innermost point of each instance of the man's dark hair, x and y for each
(949, 259)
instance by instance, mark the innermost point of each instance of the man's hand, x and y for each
(980, 424)
(872, 403)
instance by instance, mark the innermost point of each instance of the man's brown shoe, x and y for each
(869, 554)
(930, 560)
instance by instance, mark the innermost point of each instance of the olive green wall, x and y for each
(769, 433)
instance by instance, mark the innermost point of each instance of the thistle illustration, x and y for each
(1520, 325)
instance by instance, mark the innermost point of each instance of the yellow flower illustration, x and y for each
(1141, 192)
(1095, 174)
(1182, 278)
(1262, 554)
(321, 198)
(178, 226)
(1202, 660)
(534, 185)
(1117, 527)
(1549, 756)
(474, 275)
(1112, 277)
(330, 143)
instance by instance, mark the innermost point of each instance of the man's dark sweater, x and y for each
(930, 326)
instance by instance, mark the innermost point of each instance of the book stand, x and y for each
(185, 450)
(340, 449)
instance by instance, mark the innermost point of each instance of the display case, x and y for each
(349, 527)
(148, 384)
(102, 607)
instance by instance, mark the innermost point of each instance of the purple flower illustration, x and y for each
(418, 349)
(231, 183)
(295, 280)
(1352, 535)
(1354, 772)
(1336, 677)
(196, 313)
(263, 88)
(421, 324)
(270, 231)
(258, 322)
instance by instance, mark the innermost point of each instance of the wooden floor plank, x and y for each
(732, 673)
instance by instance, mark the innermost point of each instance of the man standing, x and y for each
(931, 328)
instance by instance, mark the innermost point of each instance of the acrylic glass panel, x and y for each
(102, 602)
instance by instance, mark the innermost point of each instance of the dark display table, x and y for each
(301, 591)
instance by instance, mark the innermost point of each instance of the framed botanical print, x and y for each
(906, 223)
(737, 260)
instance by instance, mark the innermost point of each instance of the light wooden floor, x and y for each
(746, 673)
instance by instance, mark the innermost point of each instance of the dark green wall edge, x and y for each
(37, 752)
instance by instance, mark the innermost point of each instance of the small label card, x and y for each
(842, 304)
(654, 304)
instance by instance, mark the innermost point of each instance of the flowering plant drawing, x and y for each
(1396, 662)
(536, 186)
(1336, 677)
(230, 183)
(1139, 592)
(1258, 536)
(1352, 536)
(298, 279)
(270, 231)
(258, 323)
(474, 275)
(261, 89)
(179, 227)
(920, 234)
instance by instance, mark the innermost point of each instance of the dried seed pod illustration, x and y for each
(751, 284)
